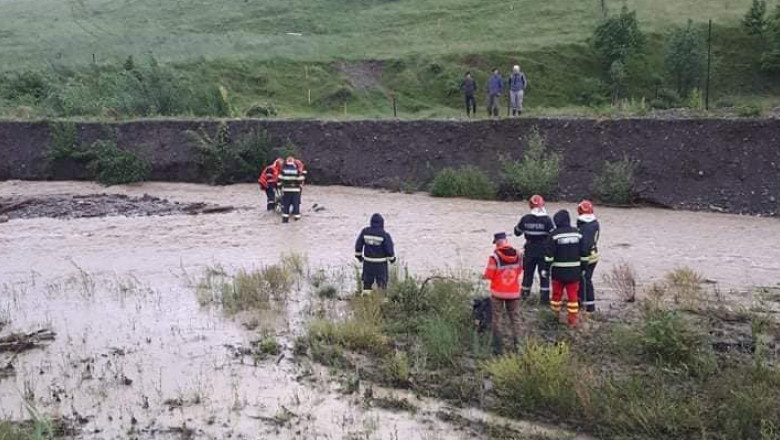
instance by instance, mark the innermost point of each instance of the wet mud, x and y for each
(136, 355)
(99, 205)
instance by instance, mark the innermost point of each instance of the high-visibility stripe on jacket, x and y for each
(374, 244)
(590, 229)
(504, 269)
(291, 178)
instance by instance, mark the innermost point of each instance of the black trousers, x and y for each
(471, 105)
(531, 264)
(270, 194)
(291, 206)
(587, 294)
(374, 273)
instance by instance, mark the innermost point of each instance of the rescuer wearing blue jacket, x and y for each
(374, 248)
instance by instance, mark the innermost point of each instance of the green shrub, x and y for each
(64, 142)
(668, 339)
(685, 286)
(539, 380)
(536, 174)
(395, 369)
(618, 37)
(749, 111)
(225, 160)
(616, 182)
(268, 345)
(469, 182)
(110, 165)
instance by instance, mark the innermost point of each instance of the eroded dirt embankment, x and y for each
(714, 164)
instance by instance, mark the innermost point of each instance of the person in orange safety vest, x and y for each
(504, 270)
(268, 180)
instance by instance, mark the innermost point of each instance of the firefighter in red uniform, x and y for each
(268, 180)
(504, 269)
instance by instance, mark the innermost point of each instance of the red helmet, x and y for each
(585, 207)
(536, 201)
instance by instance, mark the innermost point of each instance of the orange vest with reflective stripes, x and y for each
(504, 273)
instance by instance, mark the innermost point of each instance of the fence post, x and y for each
(395, 107)
(709, 61)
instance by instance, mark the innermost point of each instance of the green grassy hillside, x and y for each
(353, 52)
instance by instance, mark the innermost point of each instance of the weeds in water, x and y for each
(622, 279)
(294, 263)
(685, 285)
(469, 182)
(668, 339)
(615, 184)
(245, 290)
(328, 291)
(268, 345)
(441, 341)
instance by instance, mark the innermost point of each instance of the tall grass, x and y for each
(245, 289)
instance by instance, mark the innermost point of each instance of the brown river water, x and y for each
(135, 355)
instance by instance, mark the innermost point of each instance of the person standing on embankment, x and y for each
(495, 87)
(469, 87)
(517, 84)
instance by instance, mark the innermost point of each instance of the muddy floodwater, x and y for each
(135, 355)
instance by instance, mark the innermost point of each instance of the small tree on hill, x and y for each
(618, 37)
(770, 61)
(755, 21)
(684, 58)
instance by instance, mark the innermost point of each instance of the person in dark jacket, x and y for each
(374, 248)
(469, 87)
(291, 180)
(517, 84)
(589, 227)
(495, 87)
(564, 254)
(536, 227)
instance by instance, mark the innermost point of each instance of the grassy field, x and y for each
(358, 53)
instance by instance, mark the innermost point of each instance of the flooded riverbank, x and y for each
(135, 354)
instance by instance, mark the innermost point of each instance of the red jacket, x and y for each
(270, 175)
(504, 269)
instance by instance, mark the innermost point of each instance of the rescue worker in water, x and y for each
(268, 180)
(291, 179)
(503, 271)
(374, 248)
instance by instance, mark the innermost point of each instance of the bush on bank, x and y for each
(537, 173)
(468, 181)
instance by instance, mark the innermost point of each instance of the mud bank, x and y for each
(714, 164)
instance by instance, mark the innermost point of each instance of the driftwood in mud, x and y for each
(8, 207)
(17, 342)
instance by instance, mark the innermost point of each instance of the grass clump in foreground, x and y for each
(469, 182)
(615, 184)
(658, 371)
(538, 171)
(244, 290)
